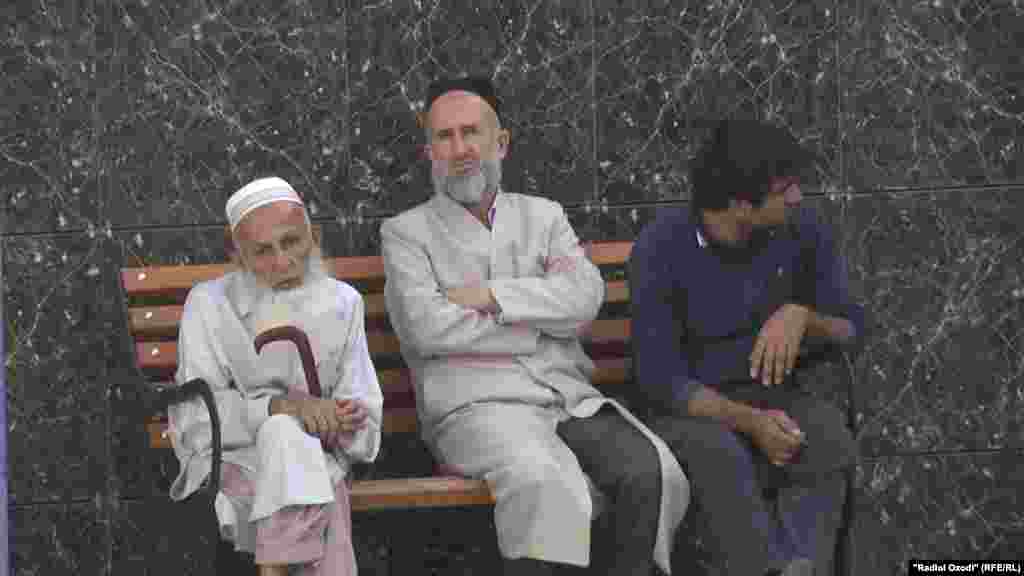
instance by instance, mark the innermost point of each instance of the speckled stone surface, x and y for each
(125, 125)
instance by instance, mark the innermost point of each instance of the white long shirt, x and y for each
(215, 342)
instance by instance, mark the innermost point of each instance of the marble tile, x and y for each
(940, 277)
(931, 93)
(965, 507)
(49, 155)
(538, 54)
(665, 70)
(62, 313)
(202, 98)
(440, 541)
(158, 537)
(58, 540)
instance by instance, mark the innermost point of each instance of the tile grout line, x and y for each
(594, 147)
(891, 192)
(111, 469)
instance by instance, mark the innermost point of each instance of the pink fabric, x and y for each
(559, 265)
(317, 537)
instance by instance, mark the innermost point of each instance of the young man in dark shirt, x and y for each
(725, 295)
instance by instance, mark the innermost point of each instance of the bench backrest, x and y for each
(155, 297)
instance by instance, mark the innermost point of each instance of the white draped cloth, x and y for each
(490, 389)
(220, 320)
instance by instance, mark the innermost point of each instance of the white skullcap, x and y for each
(258, 193)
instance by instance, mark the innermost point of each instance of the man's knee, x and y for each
(534, 473)
(277, 428)
(643, 467)
(702, 444)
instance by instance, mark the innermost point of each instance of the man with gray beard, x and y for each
(488, 292)
(284, 497)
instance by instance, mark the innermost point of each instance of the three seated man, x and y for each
(488, 292)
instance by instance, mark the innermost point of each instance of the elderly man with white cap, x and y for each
(284, 497)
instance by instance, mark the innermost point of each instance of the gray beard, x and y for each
(470, 189)
(281, 307)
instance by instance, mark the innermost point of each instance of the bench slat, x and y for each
(162, 321)
(148, 322)
(400, 417)
(396, 421)
(162, 280)
(435, 491)
(156, 280)
(609, 253)
(396, 383)
(611, 335)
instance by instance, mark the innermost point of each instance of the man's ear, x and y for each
(314, 231)
(230, 249)
(504, 139)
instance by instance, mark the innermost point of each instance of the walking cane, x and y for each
(301, 341)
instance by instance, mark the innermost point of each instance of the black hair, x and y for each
(738, 160)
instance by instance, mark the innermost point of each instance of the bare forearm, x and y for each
(283, 405)
(707, 403)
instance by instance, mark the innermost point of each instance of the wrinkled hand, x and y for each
(476, 296)
(777, 435)
(778, 344)
(352, 416)
(319, 416)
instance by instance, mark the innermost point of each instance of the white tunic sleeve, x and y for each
(200, 356)
(424, 318)
(562, 301)
(357, 379)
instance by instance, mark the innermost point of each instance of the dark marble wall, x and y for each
(125, 124)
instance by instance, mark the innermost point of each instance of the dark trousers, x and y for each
(624, 466)
(733, 482)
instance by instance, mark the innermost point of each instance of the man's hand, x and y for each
(776, 434)
(318, 416)
(352, 415)
(778, 344)
(476, 296)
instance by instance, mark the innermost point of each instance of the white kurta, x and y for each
(529, 355)
(215, 342)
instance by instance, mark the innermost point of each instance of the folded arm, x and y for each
(565, 299)
(833, 316)
(424, 318)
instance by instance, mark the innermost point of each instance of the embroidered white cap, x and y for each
(259, 192)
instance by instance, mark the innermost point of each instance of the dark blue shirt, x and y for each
(697, 309)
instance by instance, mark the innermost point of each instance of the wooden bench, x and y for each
(154, 298)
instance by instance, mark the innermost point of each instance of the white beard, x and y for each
(273, 308)
(469, 189)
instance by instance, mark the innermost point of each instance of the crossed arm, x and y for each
(503, 316)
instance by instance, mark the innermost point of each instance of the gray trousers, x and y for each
(733, 482)
(624, 465)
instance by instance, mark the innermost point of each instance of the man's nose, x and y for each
(794, 195)
(460, 148)
(282, 262)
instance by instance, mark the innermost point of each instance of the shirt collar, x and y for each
(700, 239)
